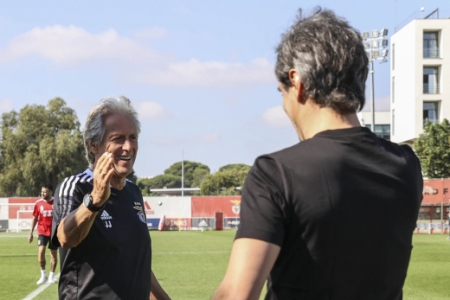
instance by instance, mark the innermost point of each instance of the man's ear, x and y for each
(93, 147)
(294, 77)
(297, 83)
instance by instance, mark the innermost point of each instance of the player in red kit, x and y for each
(43, 217)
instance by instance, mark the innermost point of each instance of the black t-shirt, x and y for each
(342, 206)
(114, 260)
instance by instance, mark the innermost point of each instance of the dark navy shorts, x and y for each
(43, 240)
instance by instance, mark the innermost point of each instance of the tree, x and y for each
(191, 177)
(236, 167)
(433, 149)
(198, 176)
(164, 181)
(39, 145)
(224, 183)
(143, 184)
(132, 176)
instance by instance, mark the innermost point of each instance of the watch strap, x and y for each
(88, 203)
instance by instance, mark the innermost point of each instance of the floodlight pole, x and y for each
(182, 172)
(373, 48)
(372, 88)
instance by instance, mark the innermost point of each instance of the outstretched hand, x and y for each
(103, 172)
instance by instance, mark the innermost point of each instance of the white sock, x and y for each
(43, 273)
(50, 275)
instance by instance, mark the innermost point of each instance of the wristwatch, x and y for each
(87, 201)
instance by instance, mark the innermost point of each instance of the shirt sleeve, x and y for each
(36, 211)
(67, 198)
(264, 208)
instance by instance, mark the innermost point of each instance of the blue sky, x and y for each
(200, 73)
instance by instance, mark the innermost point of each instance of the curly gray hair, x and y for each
(94, 130)
(330, 58)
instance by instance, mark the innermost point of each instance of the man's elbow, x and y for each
(64, 241)
(65, 244)
(230, 293)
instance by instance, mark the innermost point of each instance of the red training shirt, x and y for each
(43, 210)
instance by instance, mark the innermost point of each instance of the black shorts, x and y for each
(43, 240)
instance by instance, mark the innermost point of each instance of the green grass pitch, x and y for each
(191, 264)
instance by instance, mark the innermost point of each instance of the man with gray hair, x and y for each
(99, 218)
(331, 217)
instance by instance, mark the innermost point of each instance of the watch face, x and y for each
(87, 200)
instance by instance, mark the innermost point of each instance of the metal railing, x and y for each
(432, 120)
(431, 89)
(431, 53)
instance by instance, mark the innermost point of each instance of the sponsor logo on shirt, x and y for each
(236, 207)
(105, 216)
(137, 207)
(44, 212)
(141, 216)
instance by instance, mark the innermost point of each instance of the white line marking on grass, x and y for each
(40, 289)
(17, 255)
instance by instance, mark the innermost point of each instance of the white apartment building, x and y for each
(382, 122)
(420, 76)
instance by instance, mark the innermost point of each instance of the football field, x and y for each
(191, 264)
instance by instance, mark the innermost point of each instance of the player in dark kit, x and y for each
(331, 217)
(99, 216)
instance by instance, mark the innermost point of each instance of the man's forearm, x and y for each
(33, 224)
(157, 292)
(75, 227)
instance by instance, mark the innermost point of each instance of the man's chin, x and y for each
(122, 172)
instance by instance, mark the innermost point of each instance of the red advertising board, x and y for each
(177, 223)
(436, 191)
(208, 206)
(23, 204)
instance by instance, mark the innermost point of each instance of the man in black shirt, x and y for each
(333, 216)
(99, 218)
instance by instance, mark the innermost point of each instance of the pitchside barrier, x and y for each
(193, 213)
(16, 214)
(198, 213)
(177, 213)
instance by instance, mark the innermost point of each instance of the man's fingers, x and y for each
(103, 173)
(104, 163)
(104, 166)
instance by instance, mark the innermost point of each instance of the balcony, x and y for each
(431, 53)
(430, 88)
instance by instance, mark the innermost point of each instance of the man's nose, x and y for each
(127, 145)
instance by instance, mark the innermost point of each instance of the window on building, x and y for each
(393, 121)
(430, 112)
(430, 45)
(393, 89)
(431, 80)
(382, 131)
(393, 56)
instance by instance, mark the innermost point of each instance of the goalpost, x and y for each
(24, 223)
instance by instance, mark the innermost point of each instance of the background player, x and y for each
(43, 217)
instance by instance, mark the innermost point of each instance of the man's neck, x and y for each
(117, 182)
(317, 119)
